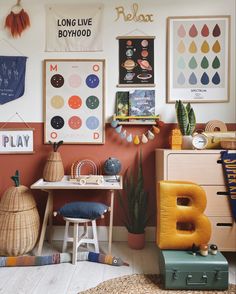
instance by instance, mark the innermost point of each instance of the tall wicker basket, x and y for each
(19, 221)
(54, 169)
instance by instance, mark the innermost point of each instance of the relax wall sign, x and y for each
(16, 141)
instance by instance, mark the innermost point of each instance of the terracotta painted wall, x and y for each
(31, 165)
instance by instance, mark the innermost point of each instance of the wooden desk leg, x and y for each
(47, 215)
(111, 221)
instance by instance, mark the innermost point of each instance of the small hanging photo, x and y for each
(136, 61)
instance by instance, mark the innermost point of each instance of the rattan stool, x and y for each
(80, 239)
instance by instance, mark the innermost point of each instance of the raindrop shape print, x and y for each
(205, 79)
(181, 32)
(216, 31)
(204, 62)
(216, 79)
(181, 79)
(193, 31)
(205, 31)
(192, 47)
(205, 47)
(216, 63)
(192, 79)
(192, 63)
(181, 63)
(216, 47)
(181, 47)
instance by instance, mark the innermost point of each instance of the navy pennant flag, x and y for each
(12, 77)
(229, 167)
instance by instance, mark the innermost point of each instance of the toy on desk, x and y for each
(204, 249)
(57, 258)
(175, 139)
(213, 249)
(194, 249)
(89, 179)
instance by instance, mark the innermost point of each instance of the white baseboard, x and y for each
(119, 233)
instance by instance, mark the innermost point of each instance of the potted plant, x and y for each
(187, 122)
(134, 203)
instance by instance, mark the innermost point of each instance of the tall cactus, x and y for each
(185, 117)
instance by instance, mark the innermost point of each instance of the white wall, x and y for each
(32, 44)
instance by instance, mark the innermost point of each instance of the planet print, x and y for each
(144, 43)
(57, 81)
(129, 52)
(129, 76)
(92, 81)
(129, 43)
(144, 64)
(129, 64)
(144, 53)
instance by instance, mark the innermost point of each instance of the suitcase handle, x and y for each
(189, 277)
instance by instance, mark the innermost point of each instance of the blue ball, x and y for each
(112, 166)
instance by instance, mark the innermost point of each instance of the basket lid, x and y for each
(17, 199)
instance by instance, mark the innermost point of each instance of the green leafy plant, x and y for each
(134, 200)
(185, 117)
(55, 145)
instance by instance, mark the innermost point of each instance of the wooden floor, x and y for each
(71, 279)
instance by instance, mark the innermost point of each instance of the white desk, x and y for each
(65, 184)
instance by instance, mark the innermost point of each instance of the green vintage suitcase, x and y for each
(183, 270)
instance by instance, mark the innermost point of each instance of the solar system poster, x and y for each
(198, 59)
(74, 101)
(136, 61)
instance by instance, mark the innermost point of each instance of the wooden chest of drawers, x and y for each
(201, 167)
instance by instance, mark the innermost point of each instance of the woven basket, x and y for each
(54, 169)
(19, 221)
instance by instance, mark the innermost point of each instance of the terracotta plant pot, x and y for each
(54, 169)
(136, 241)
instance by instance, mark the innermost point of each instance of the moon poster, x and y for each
(198, 59)
(136, 61)
(74, 101)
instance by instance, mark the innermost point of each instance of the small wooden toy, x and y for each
(204, 249)
(175, 139)
(213, 249)
(90, 179)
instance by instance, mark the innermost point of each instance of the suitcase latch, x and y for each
(218, 276)
(175, 274)
(189, 280)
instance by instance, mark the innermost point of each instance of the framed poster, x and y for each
(198, 59)
(74, 101)
(20, 140)
(136, 61)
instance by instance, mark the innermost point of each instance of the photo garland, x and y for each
(74, 101)
(136, 61)
(198, 59)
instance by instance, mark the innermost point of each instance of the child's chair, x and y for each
(81, 213)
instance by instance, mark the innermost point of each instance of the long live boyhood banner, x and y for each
(74, 27)
(229, 167)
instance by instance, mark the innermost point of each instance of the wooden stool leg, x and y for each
(65, 236)
(95, 237)
(75, 243)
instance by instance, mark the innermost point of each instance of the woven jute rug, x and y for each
(144, 284)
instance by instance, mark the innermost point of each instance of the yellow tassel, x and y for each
(136, 140)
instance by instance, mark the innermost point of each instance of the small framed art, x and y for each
(198, 59)
(136, 61)
(74, 101)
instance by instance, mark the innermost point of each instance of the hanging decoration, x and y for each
(17, 20)
(137, 139)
